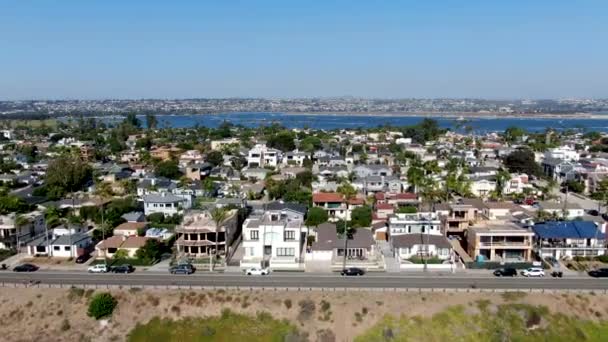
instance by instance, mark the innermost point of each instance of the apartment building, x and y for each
(273, 240)
(198, 234)
(500, 241)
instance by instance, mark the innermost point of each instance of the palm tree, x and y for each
(429, 191)
(348, 193)
(502, 177)
(218, 215)
(415, 176)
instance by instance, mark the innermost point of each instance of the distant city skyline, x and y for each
(315, 49)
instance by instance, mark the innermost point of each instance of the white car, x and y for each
(533, 272)
(99, 268)
(257, 271)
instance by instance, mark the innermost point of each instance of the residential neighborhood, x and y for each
(232, 199)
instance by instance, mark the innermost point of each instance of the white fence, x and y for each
(299, 289)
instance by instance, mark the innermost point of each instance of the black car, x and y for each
(182, 269)
(126, 268)
(83, 258)
(593, 212)
(505, 272)
(599, 273)
(25, 268)
(352, 271)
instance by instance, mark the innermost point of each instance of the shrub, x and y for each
(287, 303)
(65, 325)
(602, 258)
(307, 309)
(102, 305)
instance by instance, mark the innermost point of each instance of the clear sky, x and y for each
(183, 49)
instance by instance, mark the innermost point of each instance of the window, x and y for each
(66, 248)
(56, 248)
(422, 229)
(254, 235)
(286, 251)
(290, 235)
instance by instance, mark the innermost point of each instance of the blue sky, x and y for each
(182, 49)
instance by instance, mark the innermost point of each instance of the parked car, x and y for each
(352, 271)
(26, 268)
(557, 274)
(257, 271)
(99, 268)
(505, 272)
(533, 272)
(126, 268)
(599, 273)
(181, 269)
(83, 258)
(593, 212)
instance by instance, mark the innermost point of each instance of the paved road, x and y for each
(378, 280)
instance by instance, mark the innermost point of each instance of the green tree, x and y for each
(283, 141)
(315, 217)
(150, 251)
(305, 178)
(575, 186)
(151, 121)
(215, 157)
(415, 177)
(121, 254)
(361, 217)
(513, 134)
(522, 161)
(348, 193)
(67, 174)
(102, 305)
(167, 168)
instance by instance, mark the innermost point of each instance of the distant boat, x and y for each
(460, 118)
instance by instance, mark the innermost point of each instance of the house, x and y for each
(335, 205)
(198, 171)
(255, 173)
(198, 235)
(568, 239)
(154, 185)
(190, 157)
(63, 246)
(420, 246)
(565, 153)
(165, 203)
(329, 247)
(333, 172)
(417, 223)
(295, 158)
(218, 144)
(134, 216)
(568, 210)
(501, 241)
(18, 229)
(497, 210)
(260, 156)
(162, 234)
(108, 247)
(164, 153)
(293, 211)
(273, 240)
(372, 170)
(130, 228)
(482, 186)
(374, 184)
(457, 217)
(405, 199)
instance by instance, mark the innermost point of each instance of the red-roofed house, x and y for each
(335, 205)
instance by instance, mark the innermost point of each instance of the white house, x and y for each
(165, 203)
(63, 246)
(563, 152)
(260, 156)
(568, 239)
(417, 223)
(273, 240)
(294, 158)
(567, 210)
(407, 246)
(18, 229)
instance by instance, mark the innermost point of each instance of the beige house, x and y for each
(501, 241)
(111, 245)
(197, 235)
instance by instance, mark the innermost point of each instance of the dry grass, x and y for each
(35, 314)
